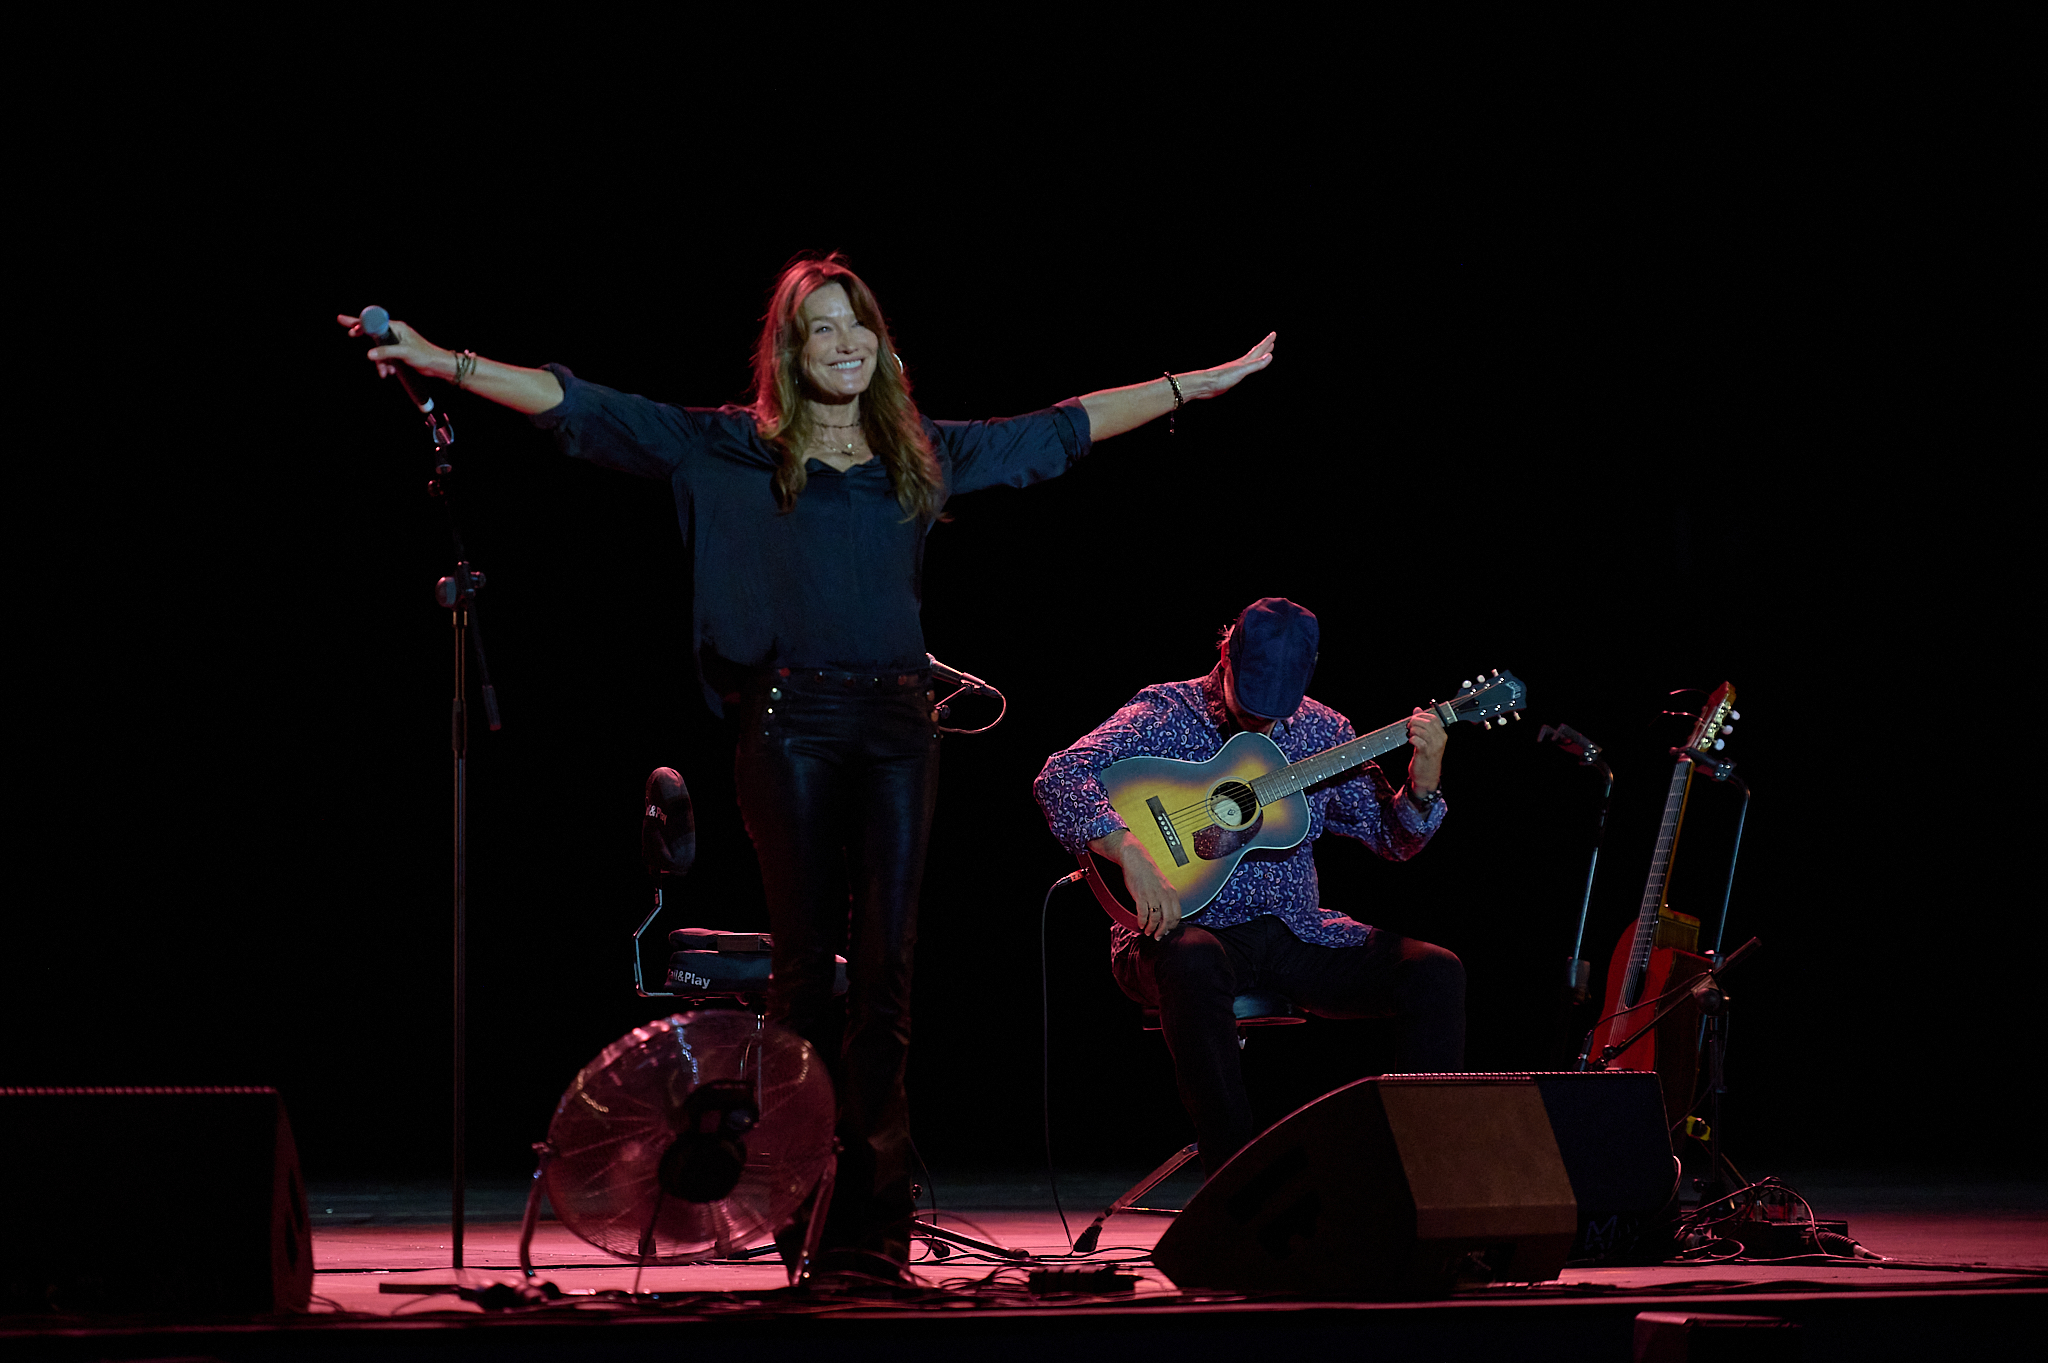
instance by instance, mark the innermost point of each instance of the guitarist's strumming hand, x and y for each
(1155, 901)
(1427, 737)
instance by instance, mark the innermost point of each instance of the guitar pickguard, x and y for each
(1214, 844)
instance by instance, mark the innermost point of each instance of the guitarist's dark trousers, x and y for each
(1192, 976)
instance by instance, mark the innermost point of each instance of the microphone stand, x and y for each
(456, 594)
(1580, 972)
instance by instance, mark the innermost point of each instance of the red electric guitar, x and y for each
(1658, 952)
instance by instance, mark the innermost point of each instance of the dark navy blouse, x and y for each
(834, 583)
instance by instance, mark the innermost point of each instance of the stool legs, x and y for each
(1085, 1242)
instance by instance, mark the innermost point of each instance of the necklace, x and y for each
(845, 447)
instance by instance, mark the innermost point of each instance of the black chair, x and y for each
(707, 967)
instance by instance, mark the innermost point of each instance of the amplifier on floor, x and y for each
(183, 1201)
(1398, 1186)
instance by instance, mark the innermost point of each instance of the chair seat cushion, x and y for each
(719, 939)
(1254, 1008)
(713, 963)
(1264, 1008)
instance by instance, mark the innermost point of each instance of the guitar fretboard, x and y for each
(1309, 771)
(1653, 888)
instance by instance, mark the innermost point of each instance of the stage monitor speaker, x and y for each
(1610, 1130)
(183, 1201)
(1399, 1186)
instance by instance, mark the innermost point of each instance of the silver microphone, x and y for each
(376, 323)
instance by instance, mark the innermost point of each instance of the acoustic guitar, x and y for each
(1200, 819)
(1658, 951)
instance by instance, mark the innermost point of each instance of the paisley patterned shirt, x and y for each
(1189, 721)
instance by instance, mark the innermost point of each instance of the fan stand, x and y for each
(799, 1272)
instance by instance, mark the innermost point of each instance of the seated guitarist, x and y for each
(1266, 928)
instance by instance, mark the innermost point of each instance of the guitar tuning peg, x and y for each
(1720, 743)
(1735, 714)
(1496, 672)
(1727, 728)
(1517, 714)
(1486, 724)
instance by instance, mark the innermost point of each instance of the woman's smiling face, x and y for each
(839, 352)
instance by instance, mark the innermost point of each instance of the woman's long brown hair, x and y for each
(888, 418)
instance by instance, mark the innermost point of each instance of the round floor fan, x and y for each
(691, 1138)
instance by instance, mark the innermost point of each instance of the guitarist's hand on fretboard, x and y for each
(1153, 899)
(1427, 738)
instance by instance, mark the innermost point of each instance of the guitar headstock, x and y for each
(1495, 697)
(1717, 720)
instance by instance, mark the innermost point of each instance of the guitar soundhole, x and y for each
(1233, 805)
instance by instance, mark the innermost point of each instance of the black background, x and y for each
(1629, 397)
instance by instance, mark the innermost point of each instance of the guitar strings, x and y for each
(1267, 795)
(1193, 817)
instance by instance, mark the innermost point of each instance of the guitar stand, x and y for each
(1724, 772)
(1705, 991)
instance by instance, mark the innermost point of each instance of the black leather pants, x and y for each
(837, 779)
(1192, 976)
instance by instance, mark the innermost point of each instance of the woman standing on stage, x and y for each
(806, 514)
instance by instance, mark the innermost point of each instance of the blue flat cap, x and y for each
(1272, 655)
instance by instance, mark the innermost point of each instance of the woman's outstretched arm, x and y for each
(1113, 411)
(523, 390)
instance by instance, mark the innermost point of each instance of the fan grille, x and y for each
(619, 1116)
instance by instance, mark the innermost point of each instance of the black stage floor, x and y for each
(1964, 1274)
